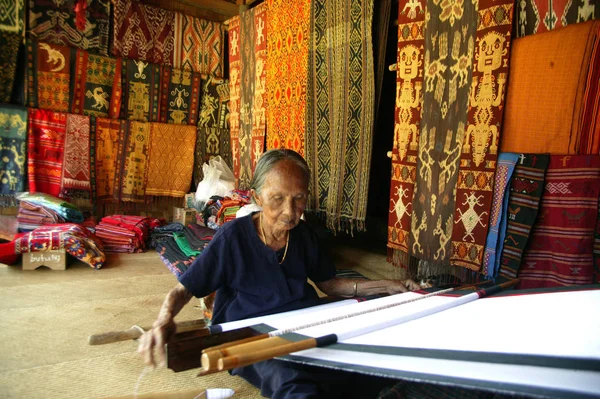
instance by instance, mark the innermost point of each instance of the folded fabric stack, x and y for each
(228, 210)
(39, 209)
(123, 233)
(71, 237)
(178, 246)
(220, 210)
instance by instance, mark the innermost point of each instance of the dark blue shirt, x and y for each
(247, 275)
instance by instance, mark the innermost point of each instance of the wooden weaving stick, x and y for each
(137, 331)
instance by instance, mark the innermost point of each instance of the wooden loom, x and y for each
(544, 344)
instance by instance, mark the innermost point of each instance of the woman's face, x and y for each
(283, 196)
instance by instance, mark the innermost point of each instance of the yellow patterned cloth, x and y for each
(135, 164)
(169, 165)
(287, 60)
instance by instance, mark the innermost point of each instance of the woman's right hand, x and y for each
(152, 343)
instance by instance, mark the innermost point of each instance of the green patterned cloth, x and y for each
(13, 150)
(9, 43)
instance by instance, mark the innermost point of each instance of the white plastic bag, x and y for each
(218, 180)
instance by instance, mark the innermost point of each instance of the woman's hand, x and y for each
(156, 338)
(398, 286)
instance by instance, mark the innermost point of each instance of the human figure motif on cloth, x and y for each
(399, 207)
(484, 96)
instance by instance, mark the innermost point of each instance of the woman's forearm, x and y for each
(361, 287)
(176, 299)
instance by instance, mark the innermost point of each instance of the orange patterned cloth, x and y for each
(287, 70)
(109, 138)
(169, 165)
(545, 99)
(135, 162)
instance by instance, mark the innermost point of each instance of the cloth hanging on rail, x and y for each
(109, 140)
(75, 179)
(133, 175)
(141, 90)
(201, 45)
(179, 97)
(537, 16)
(13, 141)
(10, 43)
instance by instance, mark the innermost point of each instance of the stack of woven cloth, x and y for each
(38, 209)
(123, 233)
(220, 210)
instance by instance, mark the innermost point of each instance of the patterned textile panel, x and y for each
(13, 131)
(49, 70)
(480, 144)
(235, 72)
(590, 114)
(498, 213)
(75, 181)
(12, 16)
(560, 250)
(259, 96)
(213, 126)
(73, 23)
(179, 97)
(45, 150)
(287, 70)
(526, 189)
(143, 32)
(551, 86)
(134, 169)
(110, 138)
(76, 240)
(169, 167)
(97, 88)
(597, 247)
(141, 91)
(9, 43)
(450, 37)
(178, 22)
(409, 85)
(536, 16)
(345, 124)
(202, 46)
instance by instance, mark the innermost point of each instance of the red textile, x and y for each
(76, 166)
(560, 249)
(45, 146)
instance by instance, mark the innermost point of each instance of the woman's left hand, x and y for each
(398, 286)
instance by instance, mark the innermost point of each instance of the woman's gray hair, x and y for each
(269, 159)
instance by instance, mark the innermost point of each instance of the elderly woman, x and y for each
(259, 264)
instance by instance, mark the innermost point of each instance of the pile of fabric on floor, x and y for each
(74, 239)
(39, 209)
(179, 245)
(124, 233)
(220, 210)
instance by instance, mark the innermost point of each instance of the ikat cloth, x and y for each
(75, 180)
(169, 165)
(560, 249)
(13, 135)
(141, 91)
(341, 95)
(499, 213)
(81, 24)
(526, 190)
(12, 16)
(97, 87)
(597, 248)
(201, 45)
(287, 70)
(536, 16)
(45, 150)
(49, 71)
(213, 126)
(179, 96)
(247, 105)
(134, 167)
(9, 43)
(142, 32)
(110, 136)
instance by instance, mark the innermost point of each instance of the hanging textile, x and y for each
(526, 189)
(179, 97)
(49, 69)
(560, 251)
(178, 21)
(134, 169)
(13, 130)
(97, 87)
(169, 168)
(110, 138)
(449, 39)
(12, 17)
(143, 32)
(339, 132)
(563, 63)
(9, 43)
(287, 69)
(590, 112)
(247, 61)
(407, 114)
(74, 23)
(213, 126)
(45, 148)
(498, 214)
(141, 90)
(75, 181)
(481, 137)
(202, 46)
(536, 16)
(597, 247)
